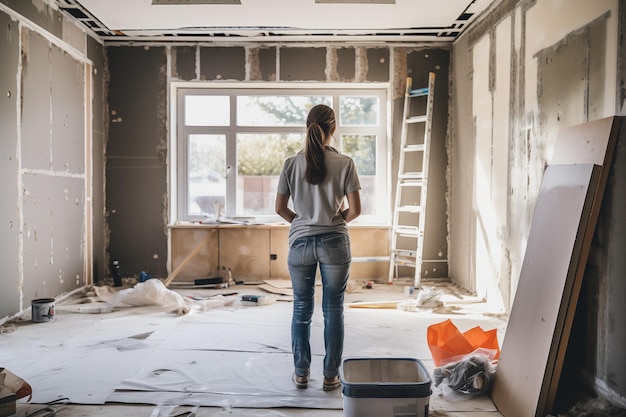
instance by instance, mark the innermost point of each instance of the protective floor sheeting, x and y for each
(233, 356)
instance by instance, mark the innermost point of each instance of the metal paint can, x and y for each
(42, 310)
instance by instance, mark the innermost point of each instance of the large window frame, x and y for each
(180, 134)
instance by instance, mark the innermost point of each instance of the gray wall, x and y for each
(46, 177)
(136, 192)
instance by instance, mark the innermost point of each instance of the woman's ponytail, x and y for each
(320, 124)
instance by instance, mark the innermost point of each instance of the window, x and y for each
(232, 142)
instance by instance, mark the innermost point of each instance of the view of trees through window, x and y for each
(255, 133)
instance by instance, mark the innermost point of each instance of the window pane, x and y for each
(359, 111)
(260, 159)
(207, 110)
(276, 110)
(206, 169)
(362, 149)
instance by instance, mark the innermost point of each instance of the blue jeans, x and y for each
(332, 252)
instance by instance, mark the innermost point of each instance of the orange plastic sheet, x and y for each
(447, 344)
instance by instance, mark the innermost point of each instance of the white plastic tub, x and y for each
(385, 387)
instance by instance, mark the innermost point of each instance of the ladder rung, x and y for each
(404, 253)
(412, 175)
(416, 119)
(405, 262)
(419, 92)
(414, 148)
(410, 208)
(410, 181)
(407, 231)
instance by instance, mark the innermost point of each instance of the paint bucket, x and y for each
(42, 310)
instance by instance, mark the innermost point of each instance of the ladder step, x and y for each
(419, 92)
(410, 208)
(405, 258)
(416, 119)
(405, 262)
(411, 175)
(407, 231)
(404, 253)
(410, 181)
(414, 148)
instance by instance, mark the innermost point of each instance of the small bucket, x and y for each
(42, 310)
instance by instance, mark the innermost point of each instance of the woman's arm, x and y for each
(354, 206)
(281, 207)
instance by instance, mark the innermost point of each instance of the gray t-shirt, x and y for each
(317, 207)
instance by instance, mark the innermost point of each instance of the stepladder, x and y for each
(409, 212)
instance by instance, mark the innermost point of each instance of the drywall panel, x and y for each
(461, 169)
(9, 215)
(600, 142)
(95, 52)
(204, 263)
(302, 64)
(587, 143)
(611, 334)
(571, 16)
(67, 100)
(54, 223)
(43, 15)
(346, 64)
(501, 60)
(551, 263)
(501, 53)
(260, 252)
(136, 98)
(279, 250)
(135, 216)
(262, 63)
(377, 64)
(369, 243)
(185, 63)
(53, 160)
(222, 63)
(562, 72)
(486, 245)
(246, 252)
(267, 63)
(136, 184)
(36, 102)
(598, 58)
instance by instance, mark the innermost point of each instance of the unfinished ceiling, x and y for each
(341, 20)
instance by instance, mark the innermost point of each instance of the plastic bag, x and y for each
(447, 344)
(150, 292)
(469, 377)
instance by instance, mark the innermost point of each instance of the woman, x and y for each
(318, 180)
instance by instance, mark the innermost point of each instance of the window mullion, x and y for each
(231, 160)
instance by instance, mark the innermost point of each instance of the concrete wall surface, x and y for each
(523, 71)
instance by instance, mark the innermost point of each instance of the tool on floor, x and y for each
(256, 300)
(48, 410)
(208, 281)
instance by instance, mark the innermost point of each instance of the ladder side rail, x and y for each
(398, 197)
(425, 170)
